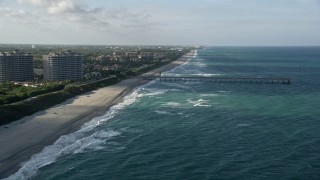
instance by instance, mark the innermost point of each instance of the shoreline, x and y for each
(29, 135)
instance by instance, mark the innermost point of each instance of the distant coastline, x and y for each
(31, 134)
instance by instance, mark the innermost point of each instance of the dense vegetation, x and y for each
(10, 92)
(15, 111)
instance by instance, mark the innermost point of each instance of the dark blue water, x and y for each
(203, 130)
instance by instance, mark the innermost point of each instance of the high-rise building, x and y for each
(16, 66)
(63, 66)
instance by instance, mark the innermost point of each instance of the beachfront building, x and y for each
(16, 66)
(131, 54)
(63, 66)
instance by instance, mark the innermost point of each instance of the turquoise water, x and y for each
(203, 130)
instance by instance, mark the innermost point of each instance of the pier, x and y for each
(218, 79)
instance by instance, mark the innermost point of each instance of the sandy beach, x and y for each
(27, 136)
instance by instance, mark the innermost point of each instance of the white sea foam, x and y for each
(195, 61)
(171, 74)
(200, 64)
(199, 103)
(172, 104)
(174, 90)
(111, 112)
(194, 72)
(163, 112)
(195, 53)
(179, 68)
(223, 91)
(73, 143)
(80, 141)
(205, 74)
(151, 92)
(209, 95)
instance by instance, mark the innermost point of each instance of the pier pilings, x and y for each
(250, 80)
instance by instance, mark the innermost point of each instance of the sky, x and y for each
(161, 22)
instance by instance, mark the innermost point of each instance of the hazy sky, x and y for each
(161, 22)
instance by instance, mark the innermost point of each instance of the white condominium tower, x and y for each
(63, 66)
(16, 66)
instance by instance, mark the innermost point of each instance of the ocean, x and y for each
(202, 130)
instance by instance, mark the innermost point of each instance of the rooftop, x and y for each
(14, 53)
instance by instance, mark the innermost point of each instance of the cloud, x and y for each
(33, 2)
(8, 12)
(61, 7)
(18, 16)
(79, 12)
(3, 27)
(57, 6)
(88, 21)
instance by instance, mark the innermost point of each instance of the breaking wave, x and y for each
(83, 140)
